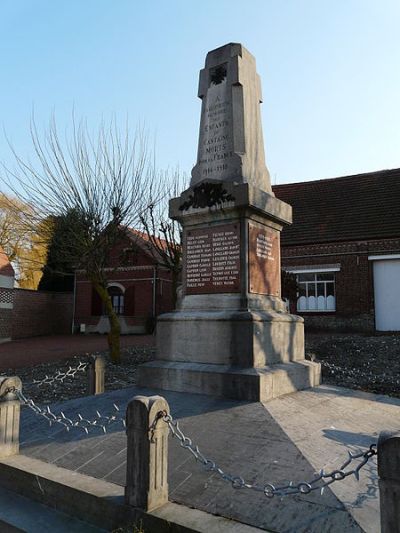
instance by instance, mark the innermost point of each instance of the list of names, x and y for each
(212, 262)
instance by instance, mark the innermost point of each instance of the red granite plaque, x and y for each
(264, 261)
(212, 260)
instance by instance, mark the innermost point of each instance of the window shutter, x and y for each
(130, 301)
(97, 304)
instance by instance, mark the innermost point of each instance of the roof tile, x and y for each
(359, 207)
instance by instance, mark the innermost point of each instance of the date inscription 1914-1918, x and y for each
(207, 195)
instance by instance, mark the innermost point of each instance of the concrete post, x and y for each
(147, 453)
(96, 372)
(9, 416)
(389, 481)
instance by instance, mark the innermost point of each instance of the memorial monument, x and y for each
(231, 335)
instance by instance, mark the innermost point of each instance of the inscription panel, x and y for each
(215, 155)
(212, 260)
(264, 261)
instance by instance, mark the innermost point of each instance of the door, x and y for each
(387, 294)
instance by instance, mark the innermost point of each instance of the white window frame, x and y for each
(316, 270)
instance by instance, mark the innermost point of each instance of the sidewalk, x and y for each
(289, 438)
(35, 350)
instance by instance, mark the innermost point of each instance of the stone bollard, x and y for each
(389, 481)
(147, 453)
(9, 416)
(96, 372)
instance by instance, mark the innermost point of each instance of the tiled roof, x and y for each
(360, 207)
(136, 234)
(142, 239)
(5, 266)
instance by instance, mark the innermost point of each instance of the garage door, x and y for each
(387, 294)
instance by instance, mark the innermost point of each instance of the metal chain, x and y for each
(360, 373)
(321, 479)
(153, 425)
(101, 421)
(61, 376)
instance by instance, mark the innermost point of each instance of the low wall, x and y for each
(6, 311)
(41, 313)
(130, 325)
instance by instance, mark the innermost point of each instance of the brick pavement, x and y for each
(35, 350)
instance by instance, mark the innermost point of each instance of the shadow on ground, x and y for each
(243, 438)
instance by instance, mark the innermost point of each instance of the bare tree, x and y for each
(165, 234)
(106, 181)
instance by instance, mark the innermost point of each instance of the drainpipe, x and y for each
(73, 306)
(154, 290)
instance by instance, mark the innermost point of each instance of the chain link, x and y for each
(59, 376)
(321, 479)
(101, 421)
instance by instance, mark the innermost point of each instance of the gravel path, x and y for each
(369, 363)
(361, 362)
(116, 376)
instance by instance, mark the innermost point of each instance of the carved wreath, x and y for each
(207, 195)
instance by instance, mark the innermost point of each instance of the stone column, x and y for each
(9, 416)
(96, 372)
(147, 453)
(389, 481)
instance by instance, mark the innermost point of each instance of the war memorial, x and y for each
(229, 429)
(231, 335)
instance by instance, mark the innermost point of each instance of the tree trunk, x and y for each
(114, 334)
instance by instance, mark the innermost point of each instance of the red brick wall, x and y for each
(41, 313)
(354, 281)
(138, 272)
(141, 280)
(5, 323)
(6, 300)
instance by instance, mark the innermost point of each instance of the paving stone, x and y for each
(288, 438)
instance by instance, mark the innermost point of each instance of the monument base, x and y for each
(254, 355)
(251, 384)
(243, 338)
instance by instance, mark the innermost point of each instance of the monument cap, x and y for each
(225, 52)
(231, 146)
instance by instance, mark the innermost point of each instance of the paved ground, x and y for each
(35, 350)
(289, 438)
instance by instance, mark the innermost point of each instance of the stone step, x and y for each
(20, 514)
(97, 502)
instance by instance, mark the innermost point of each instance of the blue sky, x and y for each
(329, 69)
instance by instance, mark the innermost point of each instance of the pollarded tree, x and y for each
(103, 183)
(165, 234)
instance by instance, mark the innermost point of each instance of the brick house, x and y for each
(344, 247)
(6, 296)
(140, 289)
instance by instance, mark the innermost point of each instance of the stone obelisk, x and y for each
(231, 335)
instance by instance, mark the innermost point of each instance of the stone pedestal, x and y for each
(96, 371)
(231, 335)
(147, 453)
(10, 407)
(240, 344)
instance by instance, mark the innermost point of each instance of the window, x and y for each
(117, 299)
(316, 291)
